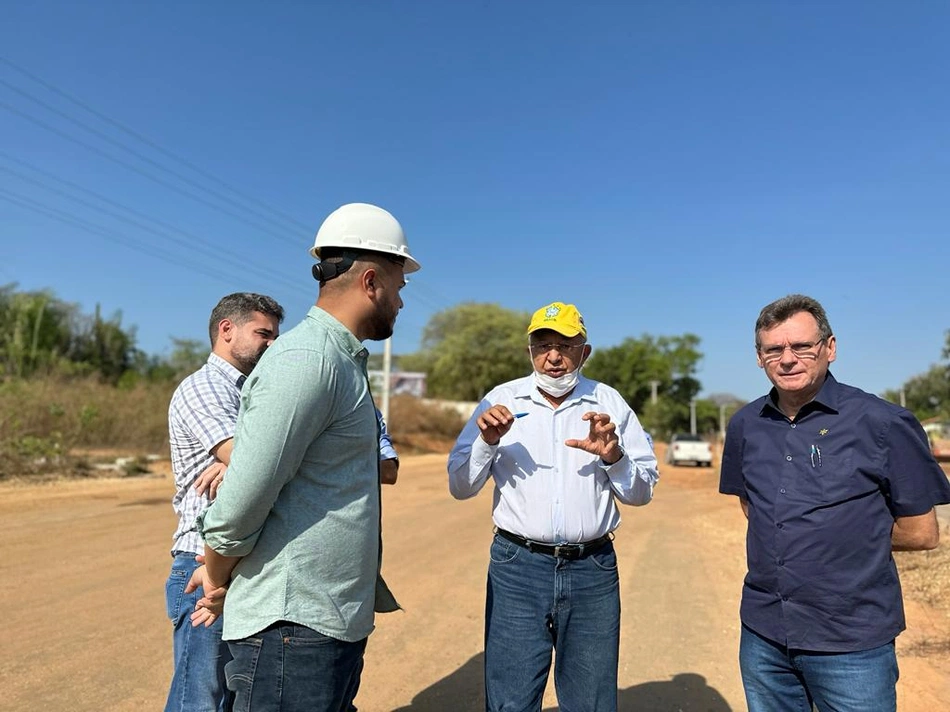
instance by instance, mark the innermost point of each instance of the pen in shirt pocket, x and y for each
(815, 456)
(520, 415)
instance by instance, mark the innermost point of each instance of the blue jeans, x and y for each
(198, 683)
(537, 604)
(778, 679)
(291, 668)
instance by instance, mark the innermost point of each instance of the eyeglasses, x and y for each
(563, 349)
(801, 349)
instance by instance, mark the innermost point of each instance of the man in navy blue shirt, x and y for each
(832, 481)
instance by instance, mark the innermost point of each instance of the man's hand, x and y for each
(494, 423)
(602, 441)
(209, 480)
(209, 607)
(389, 471)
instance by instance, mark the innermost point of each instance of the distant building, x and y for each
(400, 382)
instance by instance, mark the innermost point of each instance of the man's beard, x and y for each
(247, 360)
(382, 328)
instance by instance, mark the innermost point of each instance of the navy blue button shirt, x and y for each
(823, 492)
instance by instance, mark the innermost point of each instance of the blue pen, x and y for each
(520, 415)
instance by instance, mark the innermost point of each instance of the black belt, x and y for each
(561, 551)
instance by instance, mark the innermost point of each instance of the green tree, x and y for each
(35, 333)
(188, 355)
(927, 394)
(470, 348)
(633, 367)
(104, 345)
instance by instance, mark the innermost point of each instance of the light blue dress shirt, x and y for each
(545, 490)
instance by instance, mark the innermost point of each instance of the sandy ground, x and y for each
(84, 565)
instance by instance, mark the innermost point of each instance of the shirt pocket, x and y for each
(836, 476)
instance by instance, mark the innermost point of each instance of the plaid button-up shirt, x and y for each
(202, 414)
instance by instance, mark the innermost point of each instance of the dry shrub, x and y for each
(43, 422)
(419, 427)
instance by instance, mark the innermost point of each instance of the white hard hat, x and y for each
(364, 227)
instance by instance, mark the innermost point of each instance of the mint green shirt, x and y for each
(300, 500)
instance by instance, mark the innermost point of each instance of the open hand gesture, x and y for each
(602, 440)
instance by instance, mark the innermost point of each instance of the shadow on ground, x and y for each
(462, 691)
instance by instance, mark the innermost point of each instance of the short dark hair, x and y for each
(785, 308)
(240, 307)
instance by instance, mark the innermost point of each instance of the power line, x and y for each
(419, 289)
(144, 139)
(208, 248)
(135, 169)
(36, 206)
(108, 139)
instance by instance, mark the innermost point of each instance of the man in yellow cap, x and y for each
(562, 450)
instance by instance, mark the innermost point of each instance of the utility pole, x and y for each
(653, 386)
(722, 422)
(903, 398)
(692, 416)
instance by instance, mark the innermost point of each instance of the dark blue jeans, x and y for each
(292, 668)
(198, 683)
(777, 679)
(537, 604)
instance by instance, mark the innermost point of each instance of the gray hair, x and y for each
(785, 308)
(240, 308)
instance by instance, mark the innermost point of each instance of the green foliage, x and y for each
(188, 355)
(469, 349)
(631, 367)
(36, 331)
(103, 345)
(44, 336)
(927, 394)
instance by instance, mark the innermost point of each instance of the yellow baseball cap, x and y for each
(560, 317)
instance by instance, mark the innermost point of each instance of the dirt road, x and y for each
(84, 565)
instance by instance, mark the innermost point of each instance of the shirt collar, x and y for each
(228, 369)
(343, 336)
(826, 399)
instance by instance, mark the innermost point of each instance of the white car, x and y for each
(685, 448)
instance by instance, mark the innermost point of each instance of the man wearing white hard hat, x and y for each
(295, 531)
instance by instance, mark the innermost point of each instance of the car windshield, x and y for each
(686, 437)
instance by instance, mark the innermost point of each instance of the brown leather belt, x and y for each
(561, 551)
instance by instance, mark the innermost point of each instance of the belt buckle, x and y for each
(568, 551)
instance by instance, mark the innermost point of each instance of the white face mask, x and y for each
(556, 387)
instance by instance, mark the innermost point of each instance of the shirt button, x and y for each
(794, 425)
(782, 490)
(784, 598)
(781, 562)
(780, 525)
(788, 457)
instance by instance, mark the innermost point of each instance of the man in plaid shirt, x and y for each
(201, 420)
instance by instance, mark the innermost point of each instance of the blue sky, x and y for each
(669, 167)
